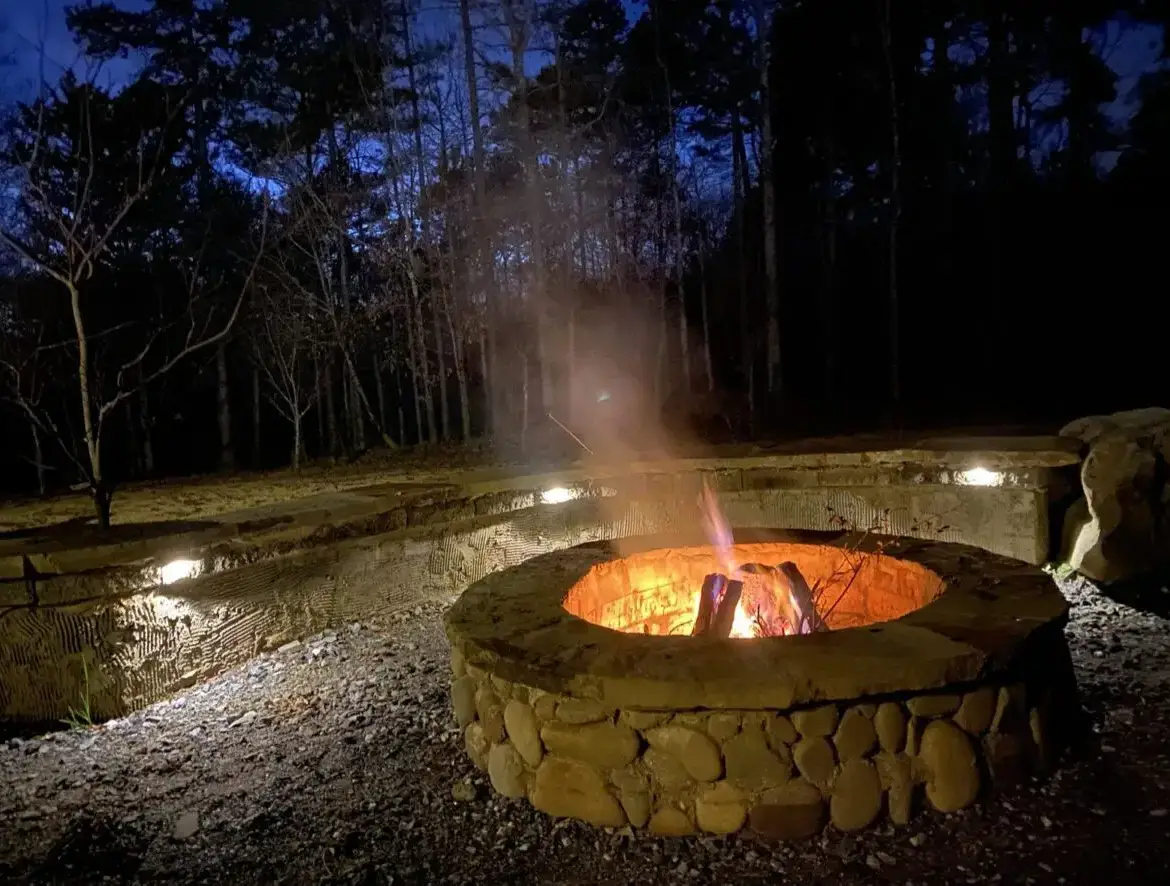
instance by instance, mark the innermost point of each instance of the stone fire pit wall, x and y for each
(967, 695)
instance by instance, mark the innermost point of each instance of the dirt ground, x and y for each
(193, 498)
(337, 761)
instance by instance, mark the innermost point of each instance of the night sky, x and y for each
(27, 24)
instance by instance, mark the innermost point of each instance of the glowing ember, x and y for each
(774, 601)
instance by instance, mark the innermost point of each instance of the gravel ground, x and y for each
(336, 761)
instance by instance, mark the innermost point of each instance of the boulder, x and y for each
(1121, 528)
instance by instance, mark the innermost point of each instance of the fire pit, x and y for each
(618, 684)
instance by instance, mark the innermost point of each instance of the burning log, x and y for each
(790, 594)
(707, 595)
(724, 617)
(717, 612)
(811, 621)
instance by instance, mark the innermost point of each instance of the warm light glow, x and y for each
(767, 606)
(177, 570)
(981, 477)
(557, 495)
(656, 592)
(168, 608)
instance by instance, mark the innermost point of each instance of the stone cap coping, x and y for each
(383, 507)
(512, 624)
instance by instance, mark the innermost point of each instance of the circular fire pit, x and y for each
(586, 681)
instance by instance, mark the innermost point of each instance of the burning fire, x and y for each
(773, 601)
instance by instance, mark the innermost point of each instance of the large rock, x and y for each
(1121, 528)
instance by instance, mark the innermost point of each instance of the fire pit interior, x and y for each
(781, 589)
(777, 682)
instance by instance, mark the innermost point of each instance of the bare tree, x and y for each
(83, 236)
(285, 340)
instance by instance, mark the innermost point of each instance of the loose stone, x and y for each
(698, 753)
(795, 811)
(1011, 712)
(458, 665)
(781, 732)
(630, 780)
(933, 705)
(814, 758)
(642, 720)
(571, 789)
(476, 744)
(855, 736)
(1007, 758)
(522, 729)
(914, 735)
(720, 809)
(506, 770)
(890, 724)
(857, 796)
(671, 822)
(605, 745)
(722, 726)
(975, 713)
(816, 722)
(751, 764)
(491, 714)
(544, 706)
(953, 780)
(637, 807)
(463, 700)
(1038, 726)
(582, 710)
(667, 770)
(896, 775)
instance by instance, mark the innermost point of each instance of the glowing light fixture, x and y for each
(557, 495)
(981, 477)
(602, 396)
(177, 570)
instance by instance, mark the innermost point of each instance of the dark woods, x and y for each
(308, 228)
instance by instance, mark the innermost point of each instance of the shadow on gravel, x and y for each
(1150, 593)
(91, 850)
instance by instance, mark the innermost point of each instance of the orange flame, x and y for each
(767, 606)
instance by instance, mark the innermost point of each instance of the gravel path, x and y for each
(336, 761)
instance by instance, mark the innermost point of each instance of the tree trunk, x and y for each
(740, 183)
(227, 453)
(829, 330)
(347, 415)
(415, 388)
(486, 263)
(330, 411)
(768, 199)
(420, 358)
(379, 393)
(256, 439)
(101, 493)
(519, 32)
(401, 411)
(895, 366)
(296, 452)
(459, 360)
(524, 403)
(705, 305)
(39, 458)
(144, 423)
(441, 367)
(1003, 150)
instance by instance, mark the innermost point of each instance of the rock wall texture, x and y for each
(783, 773)
(1121, 528)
